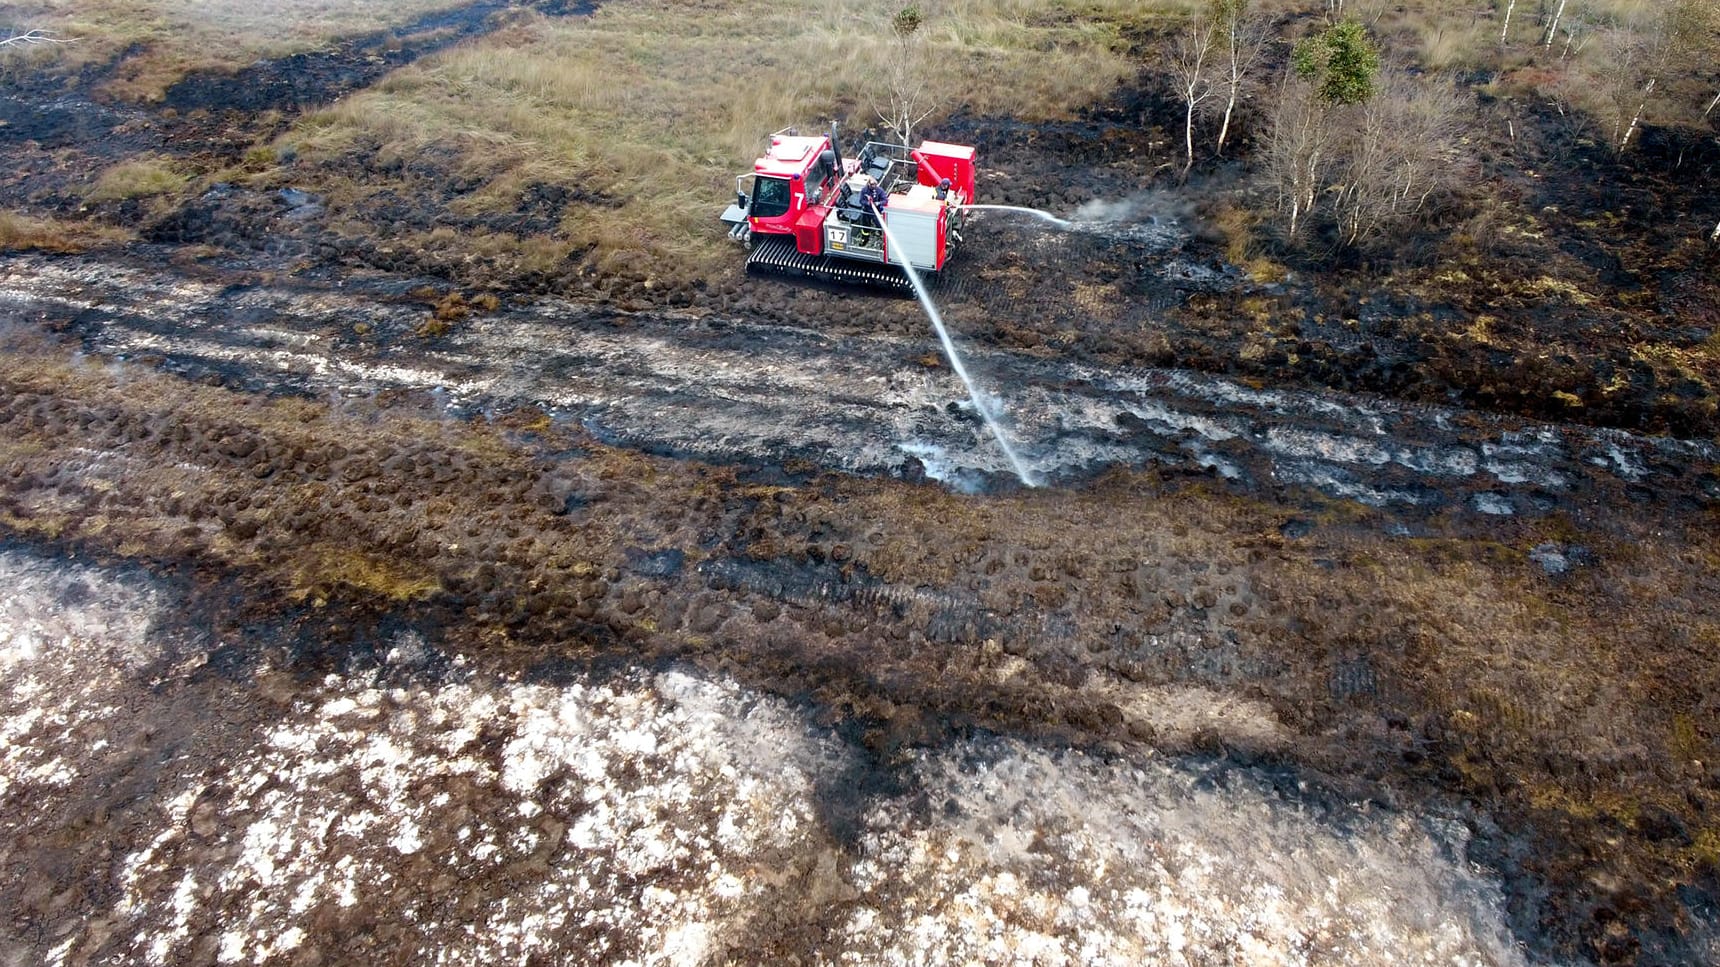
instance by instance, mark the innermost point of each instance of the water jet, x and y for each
(955, 358)
(1035, 212)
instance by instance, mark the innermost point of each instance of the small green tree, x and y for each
(1341, 60)
(906, 21)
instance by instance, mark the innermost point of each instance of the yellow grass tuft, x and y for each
(23, 232)
(324, 568)
(141, 178)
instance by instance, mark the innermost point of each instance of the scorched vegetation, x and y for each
(365, 315)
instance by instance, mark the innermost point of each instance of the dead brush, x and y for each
(20, 232)
(450, 309)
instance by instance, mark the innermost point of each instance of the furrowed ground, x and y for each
(1546, 273)
(406, 180)
(1142, 611)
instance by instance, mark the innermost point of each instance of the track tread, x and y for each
(777, 256)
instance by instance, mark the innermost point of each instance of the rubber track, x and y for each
(778, 256)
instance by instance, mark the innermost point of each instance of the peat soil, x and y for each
(1408, 600)
(306, 787)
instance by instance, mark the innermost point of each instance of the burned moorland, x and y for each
(385, 411)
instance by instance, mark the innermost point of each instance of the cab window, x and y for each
(816, 179)
(770, 197)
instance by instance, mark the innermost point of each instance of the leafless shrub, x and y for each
(1298, 150)
(1402, 151)
(1380, 163)
(1626, 80)
(1643, 64)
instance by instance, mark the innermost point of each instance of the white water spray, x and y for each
(954, 358)
(1036, 213)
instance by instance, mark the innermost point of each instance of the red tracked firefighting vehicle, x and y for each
(806, 210)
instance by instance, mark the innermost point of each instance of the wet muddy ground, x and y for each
(353, 621)
(725, 388)
(1489, 662)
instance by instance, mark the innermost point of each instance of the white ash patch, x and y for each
(487, 824)
(663, 819)
(1053, 859)
(1497, 505)
(69, 636)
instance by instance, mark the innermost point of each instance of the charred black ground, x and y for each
(1540, 658)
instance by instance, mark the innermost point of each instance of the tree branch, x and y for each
(30, 38)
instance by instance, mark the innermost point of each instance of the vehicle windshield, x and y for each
(770, 197)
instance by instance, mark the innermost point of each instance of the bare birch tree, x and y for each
(1241, 42)
(1553, 25)
(1625, 81)
(906, 80)
(1505, 29)
(1576, 32)
(1645, 58)
(1191, 55)
(1297, 150)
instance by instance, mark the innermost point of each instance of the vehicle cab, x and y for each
(789, 191)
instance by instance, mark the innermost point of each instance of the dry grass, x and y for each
(24, 232)
(324, 571)
(657, 105)
(174, 37)
(140, 178)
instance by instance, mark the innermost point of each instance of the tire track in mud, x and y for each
(726, 390)
(686, 565)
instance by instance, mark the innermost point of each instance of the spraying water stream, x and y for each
(955, 359)
(1036, 213)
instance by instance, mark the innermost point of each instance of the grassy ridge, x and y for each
(156, 42)
(649, 108)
